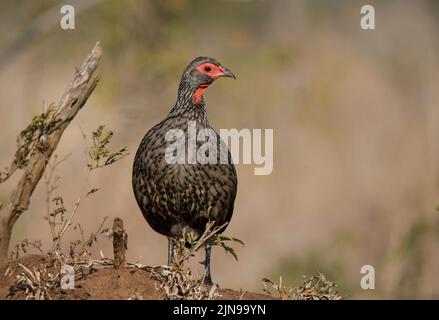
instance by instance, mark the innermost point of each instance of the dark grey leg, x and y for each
(170, 252)
(208, 276)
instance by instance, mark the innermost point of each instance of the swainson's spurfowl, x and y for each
(176, 198)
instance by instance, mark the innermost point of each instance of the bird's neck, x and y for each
(190, 103)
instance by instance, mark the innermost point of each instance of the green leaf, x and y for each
(238, 240)
(230, 250)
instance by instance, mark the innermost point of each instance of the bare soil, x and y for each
(110, 284)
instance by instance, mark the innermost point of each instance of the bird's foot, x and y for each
(207, 281)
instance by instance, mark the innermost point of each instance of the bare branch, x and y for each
(43, 138)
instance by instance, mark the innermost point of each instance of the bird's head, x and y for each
(199, 74)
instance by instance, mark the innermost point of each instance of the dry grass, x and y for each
(317, 287)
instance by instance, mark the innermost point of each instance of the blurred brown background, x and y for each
(354, 113)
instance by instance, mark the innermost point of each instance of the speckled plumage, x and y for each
(173, 197)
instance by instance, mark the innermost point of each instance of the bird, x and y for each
(181, 197)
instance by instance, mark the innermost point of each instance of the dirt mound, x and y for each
(109, 284)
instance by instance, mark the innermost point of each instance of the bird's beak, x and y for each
(228, 73)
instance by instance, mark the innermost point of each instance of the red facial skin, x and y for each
(213, 72)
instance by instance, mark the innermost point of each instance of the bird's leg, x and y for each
(170, 252)
(207, 276)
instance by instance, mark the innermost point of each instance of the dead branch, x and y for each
(42, 139)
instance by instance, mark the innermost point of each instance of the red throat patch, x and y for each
(198, 95)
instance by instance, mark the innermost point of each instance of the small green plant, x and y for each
(222, 241)
(99, 153)
(191, 243)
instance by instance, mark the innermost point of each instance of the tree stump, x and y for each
(120, 243)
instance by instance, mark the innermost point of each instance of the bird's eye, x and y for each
(207, 69)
